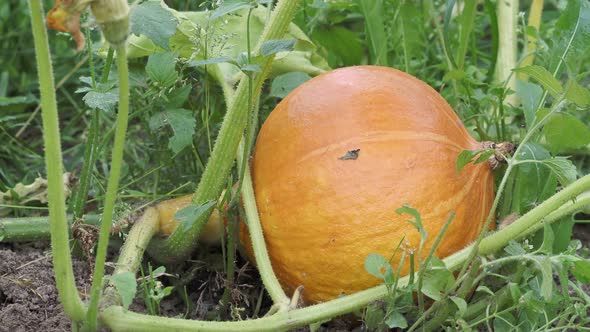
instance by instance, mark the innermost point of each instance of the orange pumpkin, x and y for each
(339, 155)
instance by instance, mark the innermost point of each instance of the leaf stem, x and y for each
(62, 260)
(112, 187)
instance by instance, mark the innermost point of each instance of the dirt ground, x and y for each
(29, 300)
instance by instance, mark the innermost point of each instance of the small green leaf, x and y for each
(564, 132)
(577, 94)
(282, 85)
(126, 286)
(530, 95)
(563, 168)
(161, 68)
(190, 214)
(475, 156)
(178, 96)
(230, 6)
(514, 249)
(153, 21)
(435, 282)
(104, 101)
(548, 239)
(417, 218)
(377, 266)
(544, 77)
(396, 319)
(460, 303)
(581, 271)
(211, 61)
(276, 45)
(547, 277)
(182, 123)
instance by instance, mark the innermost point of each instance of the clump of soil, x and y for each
(28, 295)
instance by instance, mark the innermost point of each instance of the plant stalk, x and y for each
(271, 283)
(34, 228)
(132, 251)
(181, 244)
(62, 260)
(534, 22)
(112, 187)
(506, 61)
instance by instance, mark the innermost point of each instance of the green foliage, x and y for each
(150, 19)
(126, 286)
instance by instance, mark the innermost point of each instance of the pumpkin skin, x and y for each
(322, 214)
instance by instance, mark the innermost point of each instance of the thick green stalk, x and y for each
(181, 243)
(506, 11)
(112, 187)
(119, 320)
(132, 251)
(62, 261)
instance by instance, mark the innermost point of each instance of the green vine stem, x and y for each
(181, 243)
(256, 236)
(132, 251)
(33, 228)
(118, 319)
(62, 261)
(112, 187)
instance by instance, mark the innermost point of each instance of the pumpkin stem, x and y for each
(501, 150)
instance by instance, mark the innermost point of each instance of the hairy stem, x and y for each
(256, 236)
(112, 187)
(132, 251)
(181, 243)
(62, 260)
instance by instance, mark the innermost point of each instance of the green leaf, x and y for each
(547, 277)
(212, 61)
(155, 22)
(460, 303)
(104, 101)
(126, 286)
(372, 11)
(435, 282)
(342, 46)
(475, 156)
(230, 6)
(562, 230)
(563, 168)
(572, 32)
(282, 85)
(504, 322)
(182, 123)
(564, 131)
(544, 77)
(417, 219)
(377, 266)
(178, 96)
(190, 214)
(514, 249)
(577, 94)
(276, 45)
(548, 239)
(533, 182)
(581, 271)
(396, 319)
(530, 95)
(161, 68)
